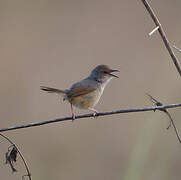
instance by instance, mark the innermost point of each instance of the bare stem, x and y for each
(174, 126)
(179, 50)
(154, 30)
(90, 115)
(158, 103)
(163, 35)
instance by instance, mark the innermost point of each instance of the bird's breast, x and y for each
(87, 100)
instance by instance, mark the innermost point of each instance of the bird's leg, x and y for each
(73, 115)
(94, 111)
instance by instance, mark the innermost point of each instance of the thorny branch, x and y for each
(163, 35)
(90, 115)
(157, 103)
(11, 156)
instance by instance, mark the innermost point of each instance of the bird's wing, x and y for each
(79, 89)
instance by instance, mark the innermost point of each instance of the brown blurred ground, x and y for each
(55, 43)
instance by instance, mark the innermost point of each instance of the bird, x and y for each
(86, 93)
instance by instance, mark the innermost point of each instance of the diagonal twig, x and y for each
(90, 115)
(174, 126)
(163, 35)
(179, 50)
(157, 103)
(154, 30)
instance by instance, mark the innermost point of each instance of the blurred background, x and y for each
(55, 43)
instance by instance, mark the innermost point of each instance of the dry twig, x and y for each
(163, 35)
(157, 103)
(179, 50)
(90, 115)
(154, 30)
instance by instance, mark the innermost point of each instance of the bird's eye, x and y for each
(105, 72)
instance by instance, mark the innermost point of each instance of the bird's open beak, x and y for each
(113, 70)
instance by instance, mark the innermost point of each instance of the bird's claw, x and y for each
(95, 114)
(73, 117)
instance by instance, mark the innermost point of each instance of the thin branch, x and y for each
(21, 155)
(154, 30)
(179, 50)
(174, 126)
(158, 103)
(90, 115)
(163, 35)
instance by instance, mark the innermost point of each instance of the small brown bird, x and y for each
(86, 93)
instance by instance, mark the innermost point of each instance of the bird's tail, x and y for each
(53, 90)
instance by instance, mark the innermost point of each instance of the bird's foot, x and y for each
(73, 117)
(94, 112)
